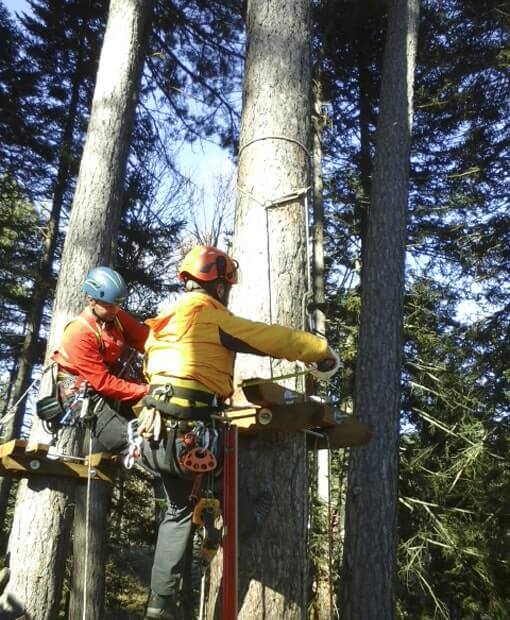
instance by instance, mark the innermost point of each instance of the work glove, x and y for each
(327, 367)
(149, 424)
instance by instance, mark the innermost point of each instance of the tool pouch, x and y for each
(49, 408)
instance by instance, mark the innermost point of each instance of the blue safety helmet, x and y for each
(105, 284)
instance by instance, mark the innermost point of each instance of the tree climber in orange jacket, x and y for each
(92, 346)
(190, 354)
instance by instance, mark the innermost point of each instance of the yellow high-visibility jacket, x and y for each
(197, 339)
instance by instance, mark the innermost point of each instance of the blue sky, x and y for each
(201, 161)
(16, 5)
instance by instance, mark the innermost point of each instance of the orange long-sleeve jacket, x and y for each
(197, 339)
(89, 348)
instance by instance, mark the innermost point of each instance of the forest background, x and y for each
(454, 481)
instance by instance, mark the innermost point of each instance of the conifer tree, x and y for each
(372, 499)
(273, 163)
(90, 240)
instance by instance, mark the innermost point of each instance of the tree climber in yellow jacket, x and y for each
(190, 354)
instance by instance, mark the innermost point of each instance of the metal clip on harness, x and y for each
(134, 444)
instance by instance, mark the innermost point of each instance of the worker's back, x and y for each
(184, 342)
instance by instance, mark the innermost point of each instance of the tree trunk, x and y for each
(322, 600)
(274, 161)
(90, 241)
(365, 161)
(371, 515)
(88, 586)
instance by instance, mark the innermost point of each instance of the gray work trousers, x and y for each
(171, 569)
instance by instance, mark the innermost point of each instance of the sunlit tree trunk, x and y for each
(371, 514)
(43, 514)
(274, 162)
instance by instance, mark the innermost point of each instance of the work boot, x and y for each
(162, 608)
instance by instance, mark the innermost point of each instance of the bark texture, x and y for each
(274, 161)
(88, 583)
(39, 534)
(371, 515)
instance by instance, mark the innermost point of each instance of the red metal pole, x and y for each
(229, 584)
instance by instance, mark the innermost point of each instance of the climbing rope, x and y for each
(87, 519)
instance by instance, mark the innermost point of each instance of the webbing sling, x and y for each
(182, 403)
(176, 411)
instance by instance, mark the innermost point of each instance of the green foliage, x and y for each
(132, 533)
(20, 245)
(455, 381)
(454, 478)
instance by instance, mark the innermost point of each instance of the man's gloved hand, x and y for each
(149, 424)
(327, 367)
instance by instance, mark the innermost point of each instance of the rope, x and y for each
(87, 517)
(330, 532)
(285, 138)
(306, 519)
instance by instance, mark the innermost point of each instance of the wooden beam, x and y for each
(22, 460)
(269, 393)
(262, 406)
(348, 433)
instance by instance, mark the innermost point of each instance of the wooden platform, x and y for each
(20, 459)
(268, 406)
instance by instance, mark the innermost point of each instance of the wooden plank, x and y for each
(295, 417)
(313, 415)
(103, 458)
(349, 433)
(23, 464)
(9, 446)
(37, 447)
(269, 393)
(243, 418)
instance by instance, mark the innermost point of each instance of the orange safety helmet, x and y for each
(206, 263)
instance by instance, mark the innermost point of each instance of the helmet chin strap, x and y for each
(99, 318)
